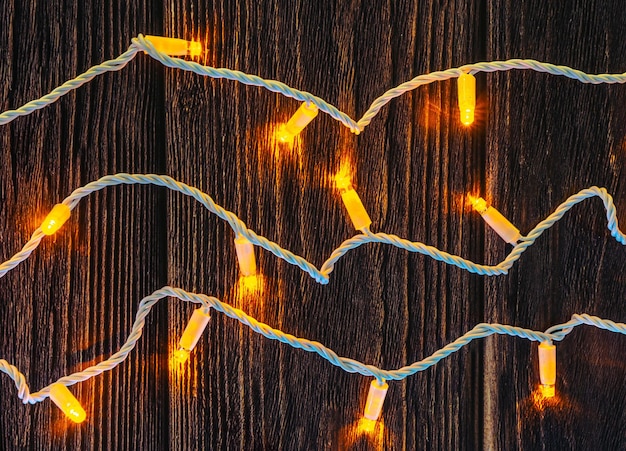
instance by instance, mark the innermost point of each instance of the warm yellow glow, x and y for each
(175, 46)
(301, 118)
(343, 179)
(365, 426)
(547, 368)
(59, 214)
(467, 98)
(195, 48)
(196, 325)
(356, 210)
(245, 255)
(502, 226)
(351, 199)
(251, 284)
(547, 391)
(365, 434)
(375, 400)
(181, 355)
(479, 204)
(66, 401)
(542, 399)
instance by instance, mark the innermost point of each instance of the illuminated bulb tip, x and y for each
(251, 284)
(467, 98)
(502, 226)
(245, 256)
(343, 181)
(181, 355)
(188, 341)
(175, 46)
(547, 368)
(479, 204)
(301, 118)
(65, 400)
(59, 214)
(375, 400)
(195, 48)
(366, 426)
(284, 135)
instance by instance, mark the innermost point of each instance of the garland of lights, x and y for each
(162, 49)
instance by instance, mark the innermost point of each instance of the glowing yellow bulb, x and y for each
(547, 368)
(196, 325)
(175, 46)
(497, 221)
(245, 255)
(195, 48)
(480, 205)
(366, 426)
(467, 98)
(65, 400)
(251, 284)
(301, 118)
(181, 355)
(59, 214)
(375, 400)
(352, 201)
(343, 181)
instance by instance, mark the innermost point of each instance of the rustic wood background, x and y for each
(537, 140)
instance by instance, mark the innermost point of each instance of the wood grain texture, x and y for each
(538, 139)
(548, 138)
(73, 303)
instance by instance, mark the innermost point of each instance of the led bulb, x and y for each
(301, 118)
(467, 98)
(59, 214)
(65, 400)
(547, 368)
(196, 325)
(175, 46)
(181, 355)
(251, 284)
(375, 400)
(497, 221)
(356, 210)
(245, 255)
(352, 201)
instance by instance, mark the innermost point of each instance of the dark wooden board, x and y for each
(73, 302)
(538, 139)
(547, 139)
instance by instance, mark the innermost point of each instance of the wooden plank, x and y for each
(548, 138)
(539, 139)
(72, 304)
(413, 166)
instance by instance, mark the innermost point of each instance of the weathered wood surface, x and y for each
(538, 139)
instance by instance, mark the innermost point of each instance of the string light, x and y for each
(195, 327)
(301, 118)
(352, 201)
(502, 226)
(547, 368)
(65, 400)
(58, 216)
(558, 332)
(193, 332)
(321, 275)
(375, 399)
(251, 284)
(467, 97)
(245, 255)
(59, 393)
(193, 49)
(175, 46)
